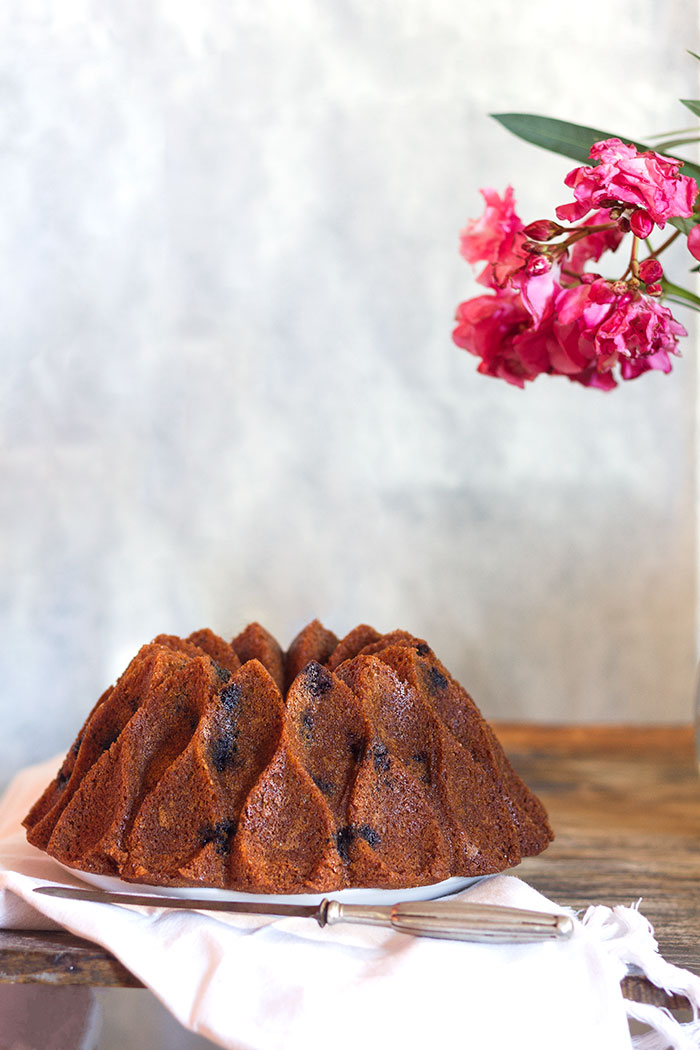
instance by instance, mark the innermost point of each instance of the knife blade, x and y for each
(450, 920)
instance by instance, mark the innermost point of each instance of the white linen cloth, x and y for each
(259, 983)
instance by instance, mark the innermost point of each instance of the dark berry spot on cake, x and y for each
(222, 673)
(207, 834)
(423, 649)
(344, 839)
(356, 747)
(370, 835)
(345, 836)
(306, 726)
(326, 787)
(220, 834)
(223, 751)
(76, 746)
(318, 679)
(436, 679)
(61, 778)
(380, 757)
(230, 696)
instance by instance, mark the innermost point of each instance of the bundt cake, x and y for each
(359, 762)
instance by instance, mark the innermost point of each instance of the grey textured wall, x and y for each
(228, 269)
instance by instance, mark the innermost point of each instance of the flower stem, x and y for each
(584, 231)
(632, 265)
(664, 246)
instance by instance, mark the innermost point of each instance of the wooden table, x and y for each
(624, 803)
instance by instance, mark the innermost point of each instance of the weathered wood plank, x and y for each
(642, 991)
(625, 806)
(48, 957)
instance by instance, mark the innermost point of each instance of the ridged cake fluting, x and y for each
(359, 762)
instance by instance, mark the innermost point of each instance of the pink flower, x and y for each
(592, 333)
(547, 316)
(492, 328)
(495, 239)
(537, 291)
(639, 180)
(613, 324)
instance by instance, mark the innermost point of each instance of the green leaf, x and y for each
(666, 134)
(559, 136)
(692, 104)
(573, 140)
(684, 225)
(667, 144)
(681, 302)
(680, 296)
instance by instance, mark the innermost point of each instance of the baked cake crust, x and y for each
(358, 762)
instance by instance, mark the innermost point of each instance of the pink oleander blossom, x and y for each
(591, 333)
(497, 328)
(563, 321)
(537, 292)
(639, 180)
(495, 238)
(613, 324)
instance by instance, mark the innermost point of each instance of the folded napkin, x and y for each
(263, 983)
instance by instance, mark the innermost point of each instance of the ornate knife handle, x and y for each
(454, 920)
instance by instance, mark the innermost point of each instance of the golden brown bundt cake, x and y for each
(358, 762)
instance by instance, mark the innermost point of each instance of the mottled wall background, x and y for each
(228, 270)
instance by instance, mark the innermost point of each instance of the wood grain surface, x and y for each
(56, 957)
(624, 803)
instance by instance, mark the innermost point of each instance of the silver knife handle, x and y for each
(456, 920)
(486, 923)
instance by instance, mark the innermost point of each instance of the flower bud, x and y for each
(538, 264)
(654, 289)
(619, 287)
(641, 223)
(651, 271)
(543, 230)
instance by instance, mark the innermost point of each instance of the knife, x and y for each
(450, 920)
